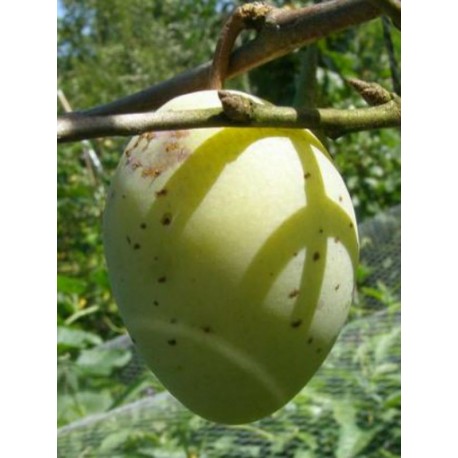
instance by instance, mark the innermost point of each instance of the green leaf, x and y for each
(70, 285)
(70, 338)
(79, 405)
(352, 439)
(101, 361)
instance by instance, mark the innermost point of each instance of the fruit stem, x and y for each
(248, 16)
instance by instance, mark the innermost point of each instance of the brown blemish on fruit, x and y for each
(310, 340)
(128, 240)
(320, 230)
(137, 246)
(123, 196)
(336, 287)
(171, 147)
(162, 279)
(170, 154)
(161, 193)
(150, 172)
(336, 239)
(316, 256)
(351, 226)
(143, 226)
(173, 320)
(172, 342)
(307, 175)
(179, 133)
(156, 303)
(134, 164)
(293, 293)
(166, 219)
(340, 199)
(295, 254)
(207, 329)
(149, 135)
(296, 323)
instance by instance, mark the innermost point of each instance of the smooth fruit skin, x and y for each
(231, 254)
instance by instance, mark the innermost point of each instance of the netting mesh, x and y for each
(351, 407)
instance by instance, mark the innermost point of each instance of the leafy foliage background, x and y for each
(110, 48)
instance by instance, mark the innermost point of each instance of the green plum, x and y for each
(232, 254)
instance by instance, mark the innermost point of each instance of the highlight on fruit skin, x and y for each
(232, 254)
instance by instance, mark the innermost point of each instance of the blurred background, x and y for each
(108, 403)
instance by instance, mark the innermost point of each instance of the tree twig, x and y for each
(237, 111)
(392, 8)
(250, 15)
(394, 68)
(282, 32)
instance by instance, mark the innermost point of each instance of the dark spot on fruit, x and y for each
(271, 274)
(340, 198)
(123, 196)
(307, 175)
(316, 256)
(295, 253)
(293, 293)
(336, 287)
(137, 246)
(156, 303)
(320, 230)
(296, 323)
(310, 340)
(133, 340)
(128, 240)
(318, 350)
(156, 258)
(351, 226)
(206, 329)
(173, 320)
(143, 226)
(172, 342)
(179, 133)
(135, 164)
(171, 147)
(166, 219)
(161, 193)
(149, 135)
(162, 279)
(137, 142)
(150, 172)
(336, 239)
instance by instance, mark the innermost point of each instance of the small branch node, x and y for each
(236, 107)
(372, 93)
(254, 15)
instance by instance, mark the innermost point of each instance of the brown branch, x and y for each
(392, 8)
(282, 32)
(237, 111)
(250, 15)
